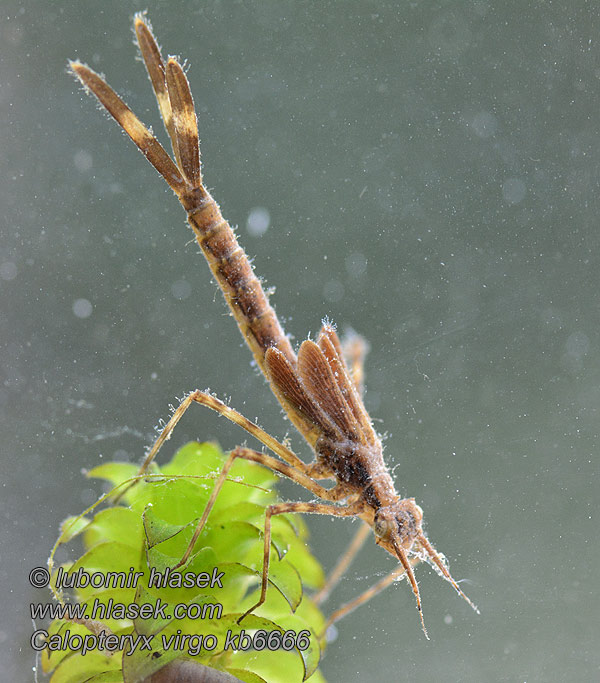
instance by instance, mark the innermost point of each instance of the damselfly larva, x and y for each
(319, 387)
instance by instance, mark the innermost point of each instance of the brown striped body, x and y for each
(231, 268)
(242, 290)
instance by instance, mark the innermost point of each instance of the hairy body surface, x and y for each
(320, 387)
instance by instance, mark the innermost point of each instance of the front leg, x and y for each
(218, 406)
(280, 509)
(335, 493)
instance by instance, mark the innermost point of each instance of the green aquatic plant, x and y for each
(152, 615)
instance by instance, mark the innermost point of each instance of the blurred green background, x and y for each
(427, 174)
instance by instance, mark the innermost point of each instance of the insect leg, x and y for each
(215, 404)
(283, 508)
(164, 436)
(267, 461)
(231, 414)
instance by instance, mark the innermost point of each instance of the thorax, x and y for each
(360, 467)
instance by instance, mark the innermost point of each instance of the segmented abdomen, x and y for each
(243, 291)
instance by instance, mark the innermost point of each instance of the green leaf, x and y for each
(152, 534)
(103, 558)
(274, 667)
(246, 676)
(197, 459)
(71, 527)
(114, 524)
(156, 529)
(311, 615)
(311, 655)
(115, 472)
(52, 658)
(77, 668)
(176, 501)
(234, 540)
(282, 576)
(308, 566)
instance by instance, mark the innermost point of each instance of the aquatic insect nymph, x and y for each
(320, 387)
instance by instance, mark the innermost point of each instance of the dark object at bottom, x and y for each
(186, 671)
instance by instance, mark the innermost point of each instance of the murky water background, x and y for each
(427, 174)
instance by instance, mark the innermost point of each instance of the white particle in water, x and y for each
(258, 221)
(82, 308)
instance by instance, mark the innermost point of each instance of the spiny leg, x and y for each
(283, 508)
(231, 414)
(218, 406)
(368, 594)
(267, 461)
(343, 563)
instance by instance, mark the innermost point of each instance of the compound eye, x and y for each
(382, 528)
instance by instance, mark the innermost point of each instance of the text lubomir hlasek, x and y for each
(156, 579)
